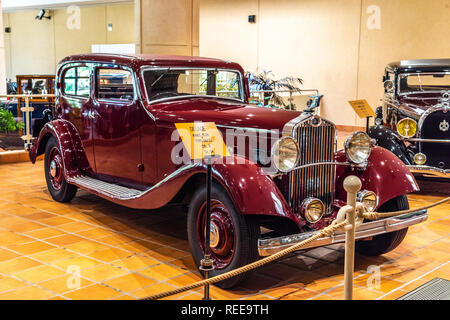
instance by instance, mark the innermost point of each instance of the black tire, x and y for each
(65, 192)
(246, 234)
(386, 242)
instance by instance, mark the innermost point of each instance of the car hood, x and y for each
(418, 103)
(225, 113)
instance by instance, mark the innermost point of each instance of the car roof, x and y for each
(421, 64)
(138, 60)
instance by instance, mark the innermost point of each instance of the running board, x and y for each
(109, 190)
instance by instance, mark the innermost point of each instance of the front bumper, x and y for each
(267, 247)
(431, 172)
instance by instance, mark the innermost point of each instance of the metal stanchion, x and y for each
(352, 185)
(207, 264)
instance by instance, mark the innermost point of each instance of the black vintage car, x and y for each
(414, 121)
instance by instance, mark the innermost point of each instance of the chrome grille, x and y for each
(316, 145)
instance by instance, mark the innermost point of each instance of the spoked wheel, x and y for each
(385, 242)
(57, 185)
(233, 239)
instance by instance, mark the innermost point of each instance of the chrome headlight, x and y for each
(358, 147)
(313, 209)
(285, 154)
(368, 199)
(407, 127)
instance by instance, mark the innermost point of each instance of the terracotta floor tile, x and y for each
(64, 240)
(86, 246)
(186, 263)
(109, 255)
(184, 279)
(75, 227)
(56, 221)
(135, 263)
(96, 233)
(17, 264)
(38, 274)
(116, 239)
(30, 248)
(7, 238)
(93, 292)
(44, 233)
(102, 272)
(53, 255)
(279, 292)
(8, 283)
(191, 296)
(25, 227)
(26, 293)
(37, 216)
(80, 261)
(7, 255)
(383, 284)
(394, 295)
(139, 246)
(358, 294)
(125, 297)
(64, 283)
(151, 290)
(129, 282)
(161, 272)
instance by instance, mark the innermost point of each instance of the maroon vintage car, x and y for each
(113, 134)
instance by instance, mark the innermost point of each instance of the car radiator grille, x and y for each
(316, 145)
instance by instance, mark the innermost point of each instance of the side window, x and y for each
(77, 81)
(115, 84)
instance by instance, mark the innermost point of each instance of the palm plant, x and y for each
(264, 81)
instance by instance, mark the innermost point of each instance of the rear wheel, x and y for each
(386, 242)
(57, 185)
(233, 237)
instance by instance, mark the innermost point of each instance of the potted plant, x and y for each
(264, 81)
(9, 131)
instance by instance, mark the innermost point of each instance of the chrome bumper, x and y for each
(267, 247)
(428, 171)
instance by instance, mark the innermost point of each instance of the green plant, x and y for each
(8, 123)
(264, 81)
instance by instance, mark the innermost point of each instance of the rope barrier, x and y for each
(326, 232)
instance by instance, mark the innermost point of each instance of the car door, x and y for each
(74, 103)
(116, 125)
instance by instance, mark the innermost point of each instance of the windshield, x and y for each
(175, 83)
(424, 82)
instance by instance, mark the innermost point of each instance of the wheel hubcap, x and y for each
(214, 235)
(53, 168)
(222, 233)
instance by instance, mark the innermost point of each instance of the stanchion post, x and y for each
(207, 264)
(352, 185)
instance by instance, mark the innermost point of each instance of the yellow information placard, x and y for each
(362, 108)
(202, 139)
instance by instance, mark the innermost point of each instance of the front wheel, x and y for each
(57, 185)
(233, 237)
(385, 242)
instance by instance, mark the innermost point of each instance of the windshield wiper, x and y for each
(208, 77)
(159, 78)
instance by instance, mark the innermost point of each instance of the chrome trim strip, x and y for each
(288, 129)
(321, 164)
(267, 247)
(427, 140)
(430, 171)
(248, 129)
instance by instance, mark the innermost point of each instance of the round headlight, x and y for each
(420, 159)
(285, 154)
(368, 199)
(407, 127)
(313, 209)
(358, 147)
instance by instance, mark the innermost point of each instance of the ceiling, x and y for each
(14, 5)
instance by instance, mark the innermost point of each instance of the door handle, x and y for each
(91, 114)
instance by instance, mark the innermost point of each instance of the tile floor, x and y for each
(121, 253)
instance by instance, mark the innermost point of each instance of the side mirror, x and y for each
(388, 86)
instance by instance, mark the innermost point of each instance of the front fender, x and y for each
(252, 190)
(74, 157)
(388, 139)
(385, 174)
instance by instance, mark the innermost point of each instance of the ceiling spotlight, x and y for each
(41, 15)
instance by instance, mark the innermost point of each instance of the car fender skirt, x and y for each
(385, 174)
